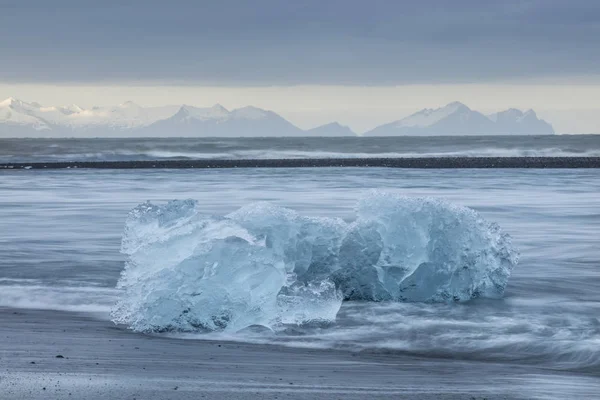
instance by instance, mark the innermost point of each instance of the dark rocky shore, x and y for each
(426, 162)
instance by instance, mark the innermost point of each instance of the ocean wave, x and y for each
(268, 265)
(60, 296)
(269, 154)
(550, 332)
(295, 154)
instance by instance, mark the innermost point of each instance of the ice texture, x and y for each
(267, 265)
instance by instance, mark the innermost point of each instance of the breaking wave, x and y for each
(145, 149)
(270, 154)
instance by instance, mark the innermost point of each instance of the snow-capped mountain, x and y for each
(217, 121)
(22, 119)
(332, 129)
(122, 117)
(458, 119)
(187, 113)
(513, 120)
(18, 114)
(74, 120)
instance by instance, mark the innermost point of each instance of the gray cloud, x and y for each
(301, 42)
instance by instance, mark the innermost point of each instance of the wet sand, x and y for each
(417, 162)
(58, 355)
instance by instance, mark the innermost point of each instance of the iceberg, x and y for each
(265, 265)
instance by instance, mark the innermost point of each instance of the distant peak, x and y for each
(428, 117)
(218, 107)
(14, 102)
(184, 110)
(457, 105)
(252, 108)
(331, 129)
(10, 101)
(513, 111)
(251, 112)
(336, 125)
(509, 113)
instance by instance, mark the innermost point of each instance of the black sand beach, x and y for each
(420, 162)
(56, 355)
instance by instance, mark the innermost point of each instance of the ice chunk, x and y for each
(431, 250)
(187, 271)
(267, 265)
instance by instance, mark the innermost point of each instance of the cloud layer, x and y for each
(276, 42)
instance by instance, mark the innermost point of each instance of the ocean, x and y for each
(54, 150)
(61, 231)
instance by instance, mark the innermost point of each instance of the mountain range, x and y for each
(22, 119)
(458, 119)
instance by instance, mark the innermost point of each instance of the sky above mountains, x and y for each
(389, 56)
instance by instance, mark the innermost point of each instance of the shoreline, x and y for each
(416, 162)
(54, 354)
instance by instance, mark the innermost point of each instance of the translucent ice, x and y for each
(412, 249)
(268, 265)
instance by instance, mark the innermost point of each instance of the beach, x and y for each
(57, 355)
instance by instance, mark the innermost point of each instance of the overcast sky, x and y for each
(174, 49)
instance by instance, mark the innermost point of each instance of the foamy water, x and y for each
(48, 150)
